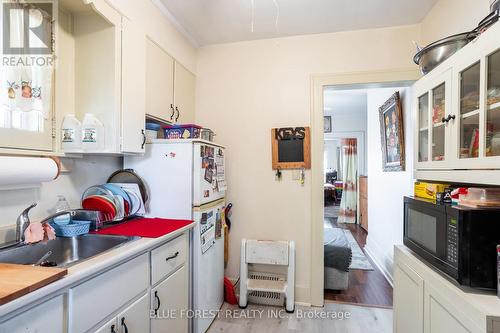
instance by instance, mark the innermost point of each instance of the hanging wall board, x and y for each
(291, 148)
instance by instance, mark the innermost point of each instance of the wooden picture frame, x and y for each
(291, 148)
(392, 134)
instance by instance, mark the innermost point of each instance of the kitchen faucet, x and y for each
(23, 221)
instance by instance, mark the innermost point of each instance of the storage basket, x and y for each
(74, 228)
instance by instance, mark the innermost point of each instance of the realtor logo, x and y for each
(27, 27)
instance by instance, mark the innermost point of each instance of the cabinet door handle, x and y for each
(124, 325)
(158, 303)
(178, 113)
(172, 256)
(143, 139)
(173, 112)
(113, 329)
(447, 119)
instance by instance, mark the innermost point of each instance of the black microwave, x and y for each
(459, 241)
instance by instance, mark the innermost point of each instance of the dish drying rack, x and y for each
(269, 288)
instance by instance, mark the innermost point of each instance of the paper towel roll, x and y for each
(25, 172)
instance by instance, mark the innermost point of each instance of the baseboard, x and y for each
(371, 254)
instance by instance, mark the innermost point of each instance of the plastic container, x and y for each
(92, 133)
(71, 134)
(75, 228)
(151, 135)
(61, 206)
(487, 195)
(207, 134)
(153, 126)
(188, 131)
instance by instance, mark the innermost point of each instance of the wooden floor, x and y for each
(365, 287)
(265, 319)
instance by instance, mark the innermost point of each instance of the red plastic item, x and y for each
(229, 295)
(145, 227)
(96, 203)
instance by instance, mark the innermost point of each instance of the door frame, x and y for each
(318, 82)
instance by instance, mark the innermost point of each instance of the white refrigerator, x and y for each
(186, 180)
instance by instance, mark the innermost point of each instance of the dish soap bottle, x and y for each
(61, 206)
(92, 133)
(71, 136)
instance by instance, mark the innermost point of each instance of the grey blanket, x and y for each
(338, 253)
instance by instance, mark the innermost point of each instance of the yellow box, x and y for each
(429, 190)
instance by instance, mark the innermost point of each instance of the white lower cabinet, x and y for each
(122, 299)
(109, 327)
(134, 319)
(46, 317)
(408, 300)
(169, 300)
(427, 302)
(99, 297)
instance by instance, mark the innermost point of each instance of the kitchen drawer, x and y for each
(96, 299)
(168, 257)
(46, 317)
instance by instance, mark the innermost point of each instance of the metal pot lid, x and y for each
(129, 176)
(468, 36)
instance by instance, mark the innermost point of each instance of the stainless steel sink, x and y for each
(64, 251)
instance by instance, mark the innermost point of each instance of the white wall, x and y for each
(245, 89)
(84, 172)
(386, 189)
(450, 17)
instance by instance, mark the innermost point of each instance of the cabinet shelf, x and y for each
(494, 106)
(423, 129)
(470, 114)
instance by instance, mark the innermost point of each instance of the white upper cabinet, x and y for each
(457, 114)
(27, 86)
(133, 88)
(170, 87)
(159, 82)
(88, 66)
(184, 94)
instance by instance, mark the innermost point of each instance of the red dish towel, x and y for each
(145, 227)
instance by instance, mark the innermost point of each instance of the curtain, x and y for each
(349, 201)
(26, 82)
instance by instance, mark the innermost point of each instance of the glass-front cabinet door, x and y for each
(492, 141)
(423, 129)
(469, 111)
(433, 122)
(438, 134)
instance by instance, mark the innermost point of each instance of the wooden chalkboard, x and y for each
(291, 148)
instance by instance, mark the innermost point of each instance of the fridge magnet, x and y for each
(391, 133)
(209, 175)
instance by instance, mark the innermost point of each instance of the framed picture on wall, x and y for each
(392, 134)
(327, 125)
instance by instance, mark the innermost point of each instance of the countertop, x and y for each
(89, 268)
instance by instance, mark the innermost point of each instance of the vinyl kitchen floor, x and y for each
(259, 319)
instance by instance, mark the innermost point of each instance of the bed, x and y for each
(338, 256)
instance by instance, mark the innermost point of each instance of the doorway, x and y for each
(351, 274)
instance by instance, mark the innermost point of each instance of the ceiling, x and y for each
(339, 103)
(220, 21)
